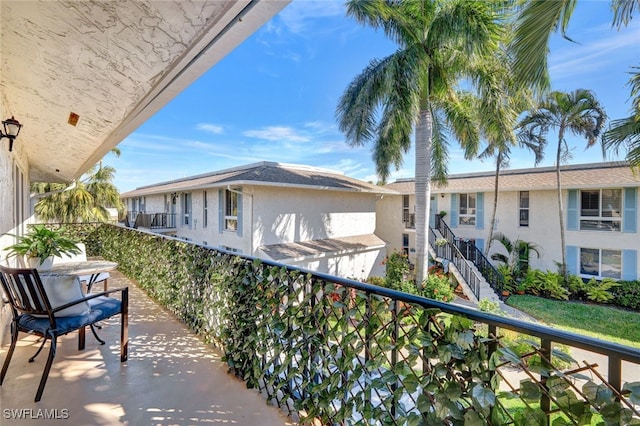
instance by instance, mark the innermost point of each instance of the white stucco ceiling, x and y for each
(114, 63)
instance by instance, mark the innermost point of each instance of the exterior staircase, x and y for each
(473, 271)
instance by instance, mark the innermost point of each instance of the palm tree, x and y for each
(85, 200)
(439, 42)
(502, 100)
(518, 254)
(536, 22)
(578, 112)
(626, 131)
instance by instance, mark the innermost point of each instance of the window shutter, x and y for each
(630, 213)
(572, 260)
(189, 210)
(239, 230)
(629, 265)
(454, 211)
(480, 210)
(433, 210)
(480, 244)
(572, 210)
(220, 210)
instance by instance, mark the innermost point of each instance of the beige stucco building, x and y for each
(600, 204)
(313, 218)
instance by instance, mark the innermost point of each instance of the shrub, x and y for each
(546, 284)
(379, 281)
(397, 270)
(438, 287)
(598, 291)
(489, 306)
(627, 294)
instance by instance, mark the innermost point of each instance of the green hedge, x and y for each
(333, 354)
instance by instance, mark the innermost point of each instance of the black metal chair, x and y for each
(33, 314)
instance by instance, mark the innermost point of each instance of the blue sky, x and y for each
(274, 98)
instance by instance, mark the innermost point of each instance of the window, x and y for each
(205, 210)
(406, 214)
(524, 208)
(186, 208)
(600, 210)
(231, 211)
(601, 263)
(405, 244)
(467, 209)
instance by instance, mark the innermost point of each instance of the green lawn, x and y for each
(602, 322)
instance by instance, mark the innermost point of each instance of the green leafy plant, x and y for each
(438, 287)
(41, 243)
(397, 270)
(490, 306)
(598, 291)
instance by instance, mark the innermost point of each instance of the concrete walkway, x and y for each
(171, 378)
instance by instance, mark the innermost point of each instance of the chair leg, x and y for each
(124, 326)
(7, 360)
(81, 338)
(47, 367)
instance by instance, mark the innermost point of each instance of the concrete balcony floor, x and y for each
(170, 378)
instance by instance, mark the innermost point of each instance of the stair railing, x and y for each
(469, 252)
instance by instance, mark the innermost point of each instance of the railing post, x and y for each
(545, 402)
(394, 352)
(615, 372)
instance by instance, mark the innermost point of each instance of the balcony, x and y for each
(319, 347)
(171, 377)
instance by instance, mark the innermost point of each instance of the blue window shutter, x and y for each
(454, 211)
(630, 213)
(629, 265)
(239, 230)
(480, 244)
(220, 210)
(480, 210)
(433, 211)
(572, 210)
(572, 260)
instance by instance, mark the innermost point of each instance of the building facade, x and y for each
(600, 214)
(308, 217)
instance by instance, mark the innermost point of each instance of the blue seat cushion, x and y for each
(102, 307)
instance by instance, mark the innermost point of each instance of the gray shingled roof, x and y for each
(595, 175)
(266, 174)
(285, 251)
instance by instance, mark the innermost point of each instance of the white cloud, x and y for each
(299, 13)
(277, 133)
(211, 128)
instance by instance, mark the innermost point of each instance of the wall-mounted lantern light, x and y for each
(11, 129)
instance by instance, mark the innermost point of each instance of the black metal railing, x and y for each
(152, 220)
(470, 252)
(410, 221)
(452, 253)
(338, 351)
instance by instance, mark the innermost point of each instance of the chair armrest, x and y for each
(124, 290)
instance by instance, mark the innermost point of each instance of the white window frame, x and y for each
(230, 210)
(467, 219)
(186, 202)
(524, 210)
(599, 273)
(602, 222)
(205, 209)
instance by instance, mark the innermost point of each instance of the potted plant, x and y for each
(40, 244)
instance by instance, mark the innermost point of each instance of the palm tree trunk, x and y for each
(563, 267)
(424, 132)
(495, 204)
